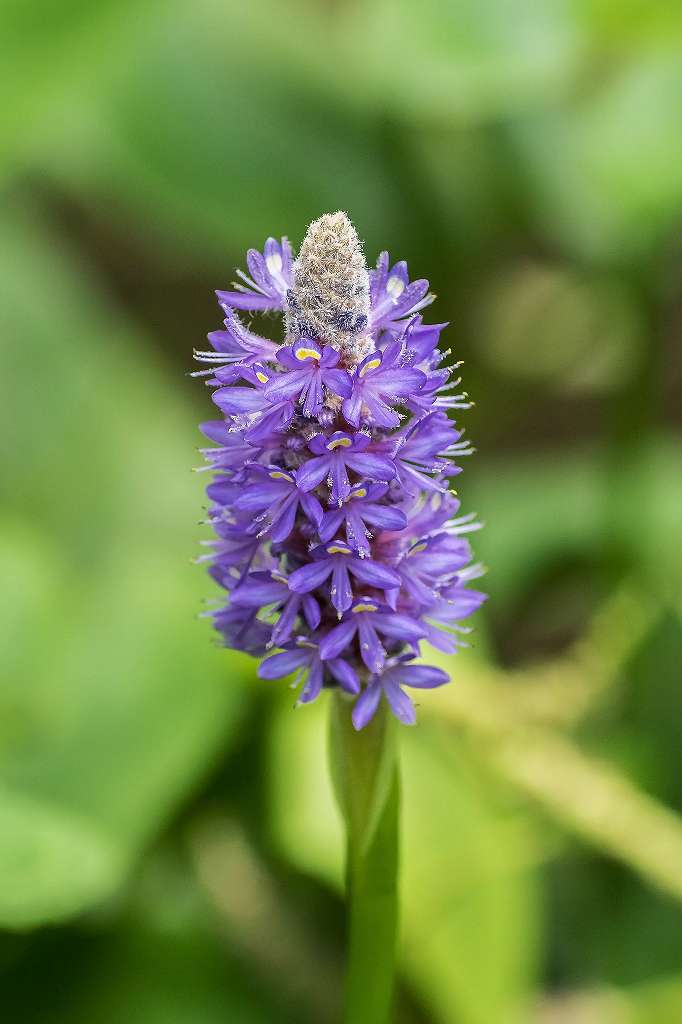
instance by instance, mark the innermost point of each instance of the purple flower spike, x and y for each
(337, 539)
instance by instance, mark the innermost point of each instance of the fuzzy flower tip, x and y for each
(338, 539)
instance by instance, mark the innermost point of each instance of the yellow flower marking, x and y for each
(278, 474)
(365, 607)
(339, 442)
(338, 549)
(307, 353)
(262, 377)
(417, 549)
(360, 493)
(371, 365)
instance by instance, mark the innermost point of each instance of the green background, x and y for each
(169, 847)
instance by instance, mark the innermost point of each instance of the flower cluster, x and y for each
(338, 538)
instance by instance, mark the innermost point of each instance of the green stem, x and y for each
(365, 774)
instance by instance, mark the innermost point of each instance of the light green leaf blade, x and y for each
(114, 702)
(52, 863)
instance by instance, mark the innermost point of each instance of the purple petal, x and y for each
(262, 495)
(312, 688)
(248, 300)
(352, 408)
(284, 626)
(371, 649)
(422, 677)
(258, 270)
(221, 491)
(312, 401)
(442, 641)
(215, 430)
(311, 507)
(399, 627)
(278, 665)
(286, 385)
(384, 516)
(272, 421)
(374, 466)
(340, 484)
(401, 705)
(344, 674)
(255, 593)
(342, 594)
(237, 401)
(284, 519)
(412, 295)
(311, 611)
(330, 357)
(338, 639)
(313, 472)
(338, 382)
(308, 577)
(366, 705)
(464, 602)
(231, 374)
(375, 574)
(378, 412)
(227, 342)
(318, 444)
(331, 521)
(423, 338)
(400, 381)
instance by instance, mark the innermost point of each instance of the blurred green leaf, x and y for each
(471, 911)
(115, 702)
(297, 756)
(658, 1001)
(195, 143)
(595, 800)
(538, 509)
(603, 177)
(463, 61)
(55, 52)
(51, 862)
(634, 22)
(139, 975)
(551, 327)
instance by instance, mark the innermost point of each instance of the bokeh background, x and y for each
(169, 848)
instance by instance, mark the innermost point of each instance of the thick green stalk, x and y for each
(365, 774)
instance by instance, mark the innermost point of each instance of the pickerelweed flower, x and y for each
(338, 539)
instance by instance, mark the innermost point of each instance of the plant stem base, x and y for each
(365, 775)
